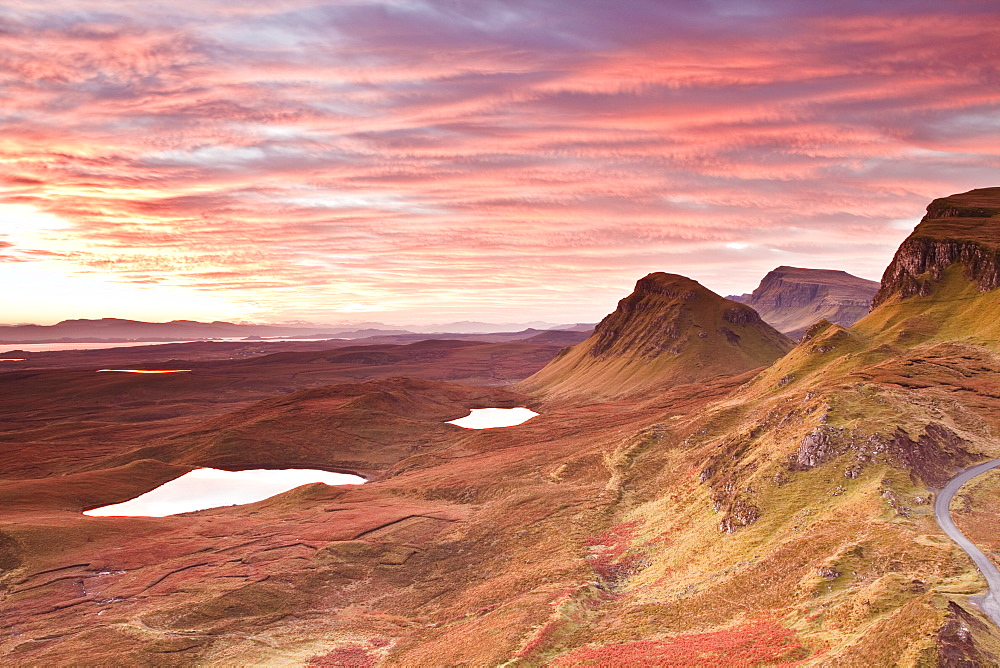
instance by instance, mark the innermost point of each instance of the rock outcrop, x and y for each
(670, 330)
(961, 229)
(790, 299)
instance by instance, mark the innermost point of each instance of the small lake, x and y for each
(213, 488)
(491, 418)
(144, 370)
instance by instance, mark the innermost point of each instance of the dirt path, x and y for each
(990, 601)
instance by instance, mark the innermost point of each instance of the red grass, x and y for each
(541, 638)
(619, 560)
(544, 635)
(755, 644)
(344, 657)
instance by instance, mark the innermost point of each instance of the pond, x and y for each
(491, 418)
(212, 488)
(144, 370)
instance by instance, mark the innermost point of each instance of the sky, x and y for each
(419, 161)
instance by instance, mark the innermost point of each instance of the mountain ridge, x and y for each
(82, 330)
(671, 329)
(790, 299)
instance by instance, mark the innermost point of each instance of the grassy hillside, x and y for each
(670, 331)
(798, 509)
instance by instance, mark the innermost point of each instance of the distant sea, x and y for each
(97, 345)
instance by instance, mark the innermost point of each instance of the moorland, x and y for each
(698, 487)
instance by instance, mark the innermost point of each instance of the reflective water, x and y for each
(145, 370)
(101, 345)
(213, 488)
(94, 345)
(491, 418)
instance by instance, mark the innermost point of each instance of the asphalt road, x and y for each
(990, 602)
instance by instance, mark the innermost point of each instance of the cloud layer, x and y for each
(415, 160)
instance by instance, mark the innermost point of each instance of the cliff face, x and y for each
(670, 329)
(791, 298)
(961, 229)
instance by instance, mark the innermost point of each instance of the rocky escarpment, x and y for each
(933, 457)
(670, 329)
(790, 299)
(962, 229)
(930, 458)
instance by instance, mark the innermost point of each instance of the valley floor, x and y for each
(745, 520)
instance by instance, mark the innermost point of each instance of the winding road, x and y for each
(990, 601)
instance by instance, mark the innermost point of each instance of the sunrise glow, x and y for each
(429, 161)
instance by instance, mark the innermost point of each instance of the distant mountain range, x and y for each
(117, 329)
(790, 299)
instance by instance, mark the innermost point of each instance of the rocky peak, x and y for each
(961, 229)
(659, 315)
(670, 329)
(792, 298)
(795, 286)
(671, 286)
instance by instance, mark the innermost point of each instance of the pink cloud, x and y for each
(389, 154)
